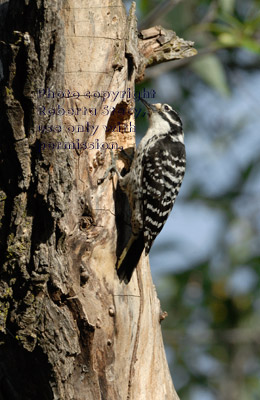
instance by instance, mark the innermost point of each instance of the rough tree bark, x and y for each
(68, 328)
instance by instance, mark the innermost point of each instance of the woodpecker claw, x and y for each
(111, 169)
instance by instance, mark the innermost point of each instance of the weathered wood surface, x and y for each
(69, 328)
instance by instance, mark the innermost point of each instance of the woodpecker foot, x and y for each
(111, 169)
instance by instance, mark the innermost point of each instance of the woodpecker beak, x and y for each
(150, 107)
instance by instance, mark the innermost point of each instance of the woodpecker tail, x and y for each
(129, 258)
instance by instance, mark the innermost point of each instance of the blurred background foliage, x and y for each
(206, 261)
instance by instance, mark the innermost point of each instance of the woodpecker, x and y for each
(152, 183)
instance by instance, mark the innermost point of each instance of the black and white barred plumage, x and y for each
(152, 183)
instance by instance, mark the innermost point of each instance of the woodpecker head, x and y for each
(164, 119)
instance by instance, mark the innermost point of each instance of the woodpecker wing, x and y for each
(163, 171)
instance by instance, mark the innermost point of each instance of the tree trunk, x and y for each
(69, 329)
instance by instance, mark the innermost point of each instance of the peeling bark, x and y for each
(68, 328)
(157, 45)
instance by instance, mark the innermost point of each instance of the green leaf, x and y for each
(227, 6)
(211, 70)
(227, 40)
(144, 6)
(251, 45)
(252, 25)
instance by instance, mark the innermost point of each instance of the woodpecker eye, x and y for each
(167, 108)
